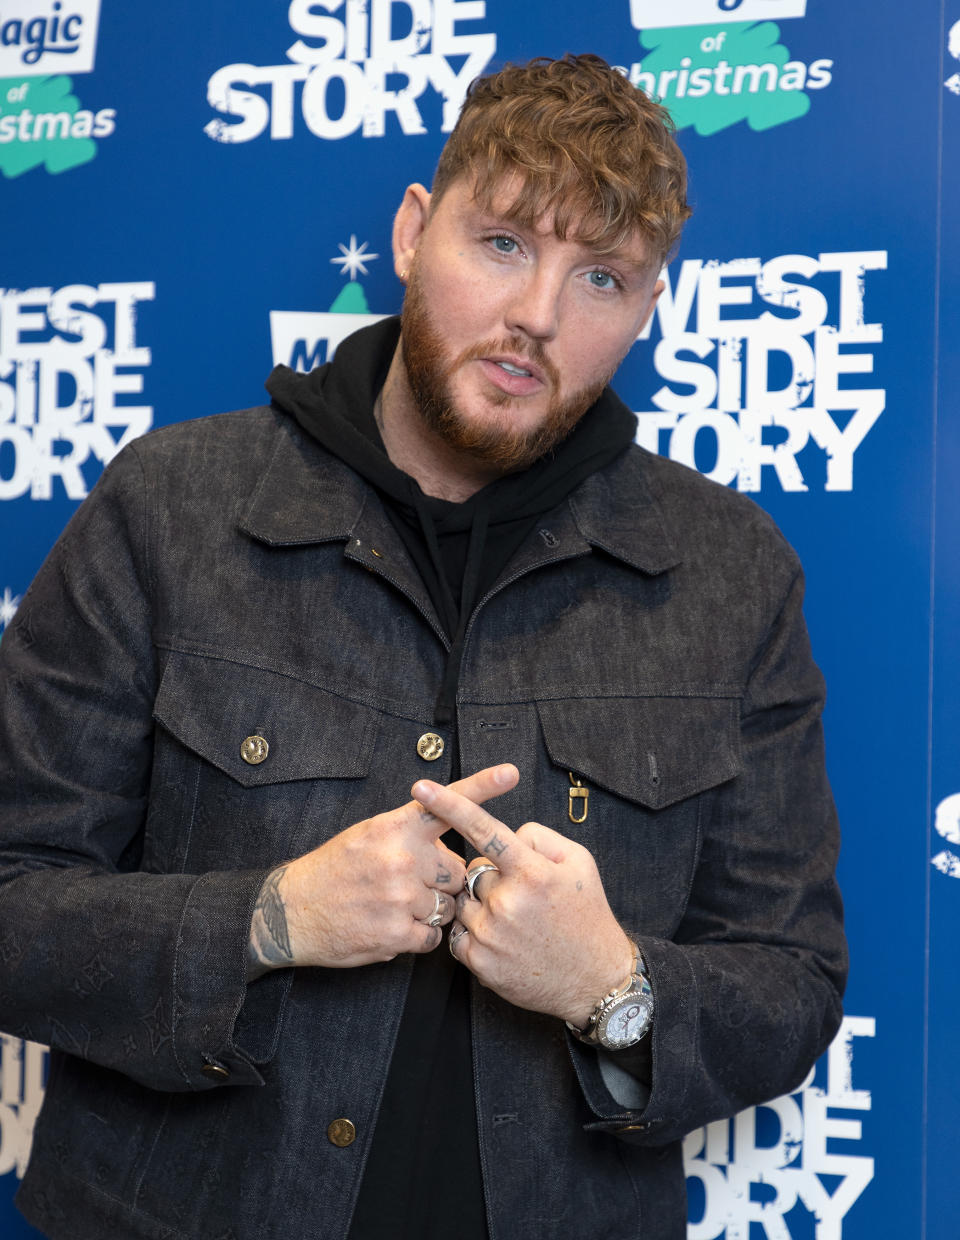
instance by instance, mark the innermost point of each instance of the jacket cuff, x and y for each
(610, 1086)
(621, 1087)
(223, 1027)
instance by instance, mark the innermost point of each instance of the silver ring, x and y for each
(454, 939)
(436, 917)
(470, 879)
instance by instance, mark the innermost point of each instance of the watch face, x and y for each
(627, 1023)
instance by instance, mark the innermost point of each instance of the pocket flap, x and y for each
(655, 750)
(213, 706)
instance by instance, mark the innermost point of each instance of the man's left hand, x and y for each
(539, 931)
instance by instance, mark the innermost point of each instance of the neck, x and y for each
(439, 470)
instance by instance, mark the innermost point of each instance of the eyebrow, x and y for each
(617, 256)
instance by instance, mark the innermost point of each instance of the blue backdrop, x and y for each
(190, 193)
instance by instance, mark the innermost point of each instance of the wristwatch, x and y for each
(623, 1016)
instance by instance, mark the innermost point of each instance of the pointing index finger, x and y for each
(490, 837)
(492, 781)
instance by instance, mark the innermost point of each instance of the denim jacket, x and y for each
(228, 579)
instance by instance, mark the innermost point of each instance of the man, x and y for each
(292, 675)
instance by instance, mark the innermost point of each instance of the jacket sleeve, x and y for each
(748, 991)
(140, 972)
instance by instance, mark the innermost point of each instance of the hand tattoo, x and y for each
(496, 846)
(443, 876)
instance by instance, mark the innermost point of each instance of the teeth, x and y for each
(514, 370)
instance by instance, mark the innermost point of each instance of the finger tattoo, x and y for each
(496, 846)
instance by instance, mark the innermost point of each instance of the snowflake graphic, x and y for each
(8, 607)
(354, 258)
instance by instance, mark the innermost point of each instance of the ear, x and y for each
(654, 298)
(408, 226)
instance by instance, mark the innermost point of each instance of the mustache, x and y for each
(514, 346)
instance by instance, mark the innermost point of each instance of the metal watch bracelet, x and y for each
(637, 984)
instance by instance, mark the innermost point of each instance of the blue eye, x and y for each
(504, 245)
(602, 279)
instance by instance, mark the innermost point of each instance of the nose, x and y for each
(534, 309)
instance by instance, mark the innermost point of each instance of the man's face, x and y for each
(509, 334)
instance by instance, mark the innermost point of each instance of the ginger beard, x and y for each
(429, 372)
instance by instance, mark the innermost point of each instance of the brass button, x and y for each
(254, 749)
(430, 746)
(215, 1072)
(342, 1133)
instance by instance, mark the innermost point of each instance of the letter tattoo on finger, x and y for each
(496, 846)
(443, 876)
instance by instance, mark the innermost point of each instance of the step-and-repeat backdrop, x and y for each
(190, 193)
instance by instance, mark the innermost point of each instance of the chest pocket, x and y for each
(251, 767)
(648, 765)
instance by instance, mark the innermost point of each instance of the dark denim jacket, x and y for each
(227, 579)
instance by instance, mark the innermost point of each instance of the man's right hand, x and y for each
(366, 894)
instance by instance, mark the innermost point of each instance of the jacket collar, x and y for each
(306, 495)
(615, 509)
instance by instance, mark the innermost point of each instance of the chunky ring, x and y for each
(471, 876)
(436, 917)
(454, 939)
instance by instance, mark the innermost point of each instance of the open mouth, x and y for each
(513, 373)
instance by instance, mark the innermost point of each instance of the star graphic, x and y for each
(8, 607)
(354, 258)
